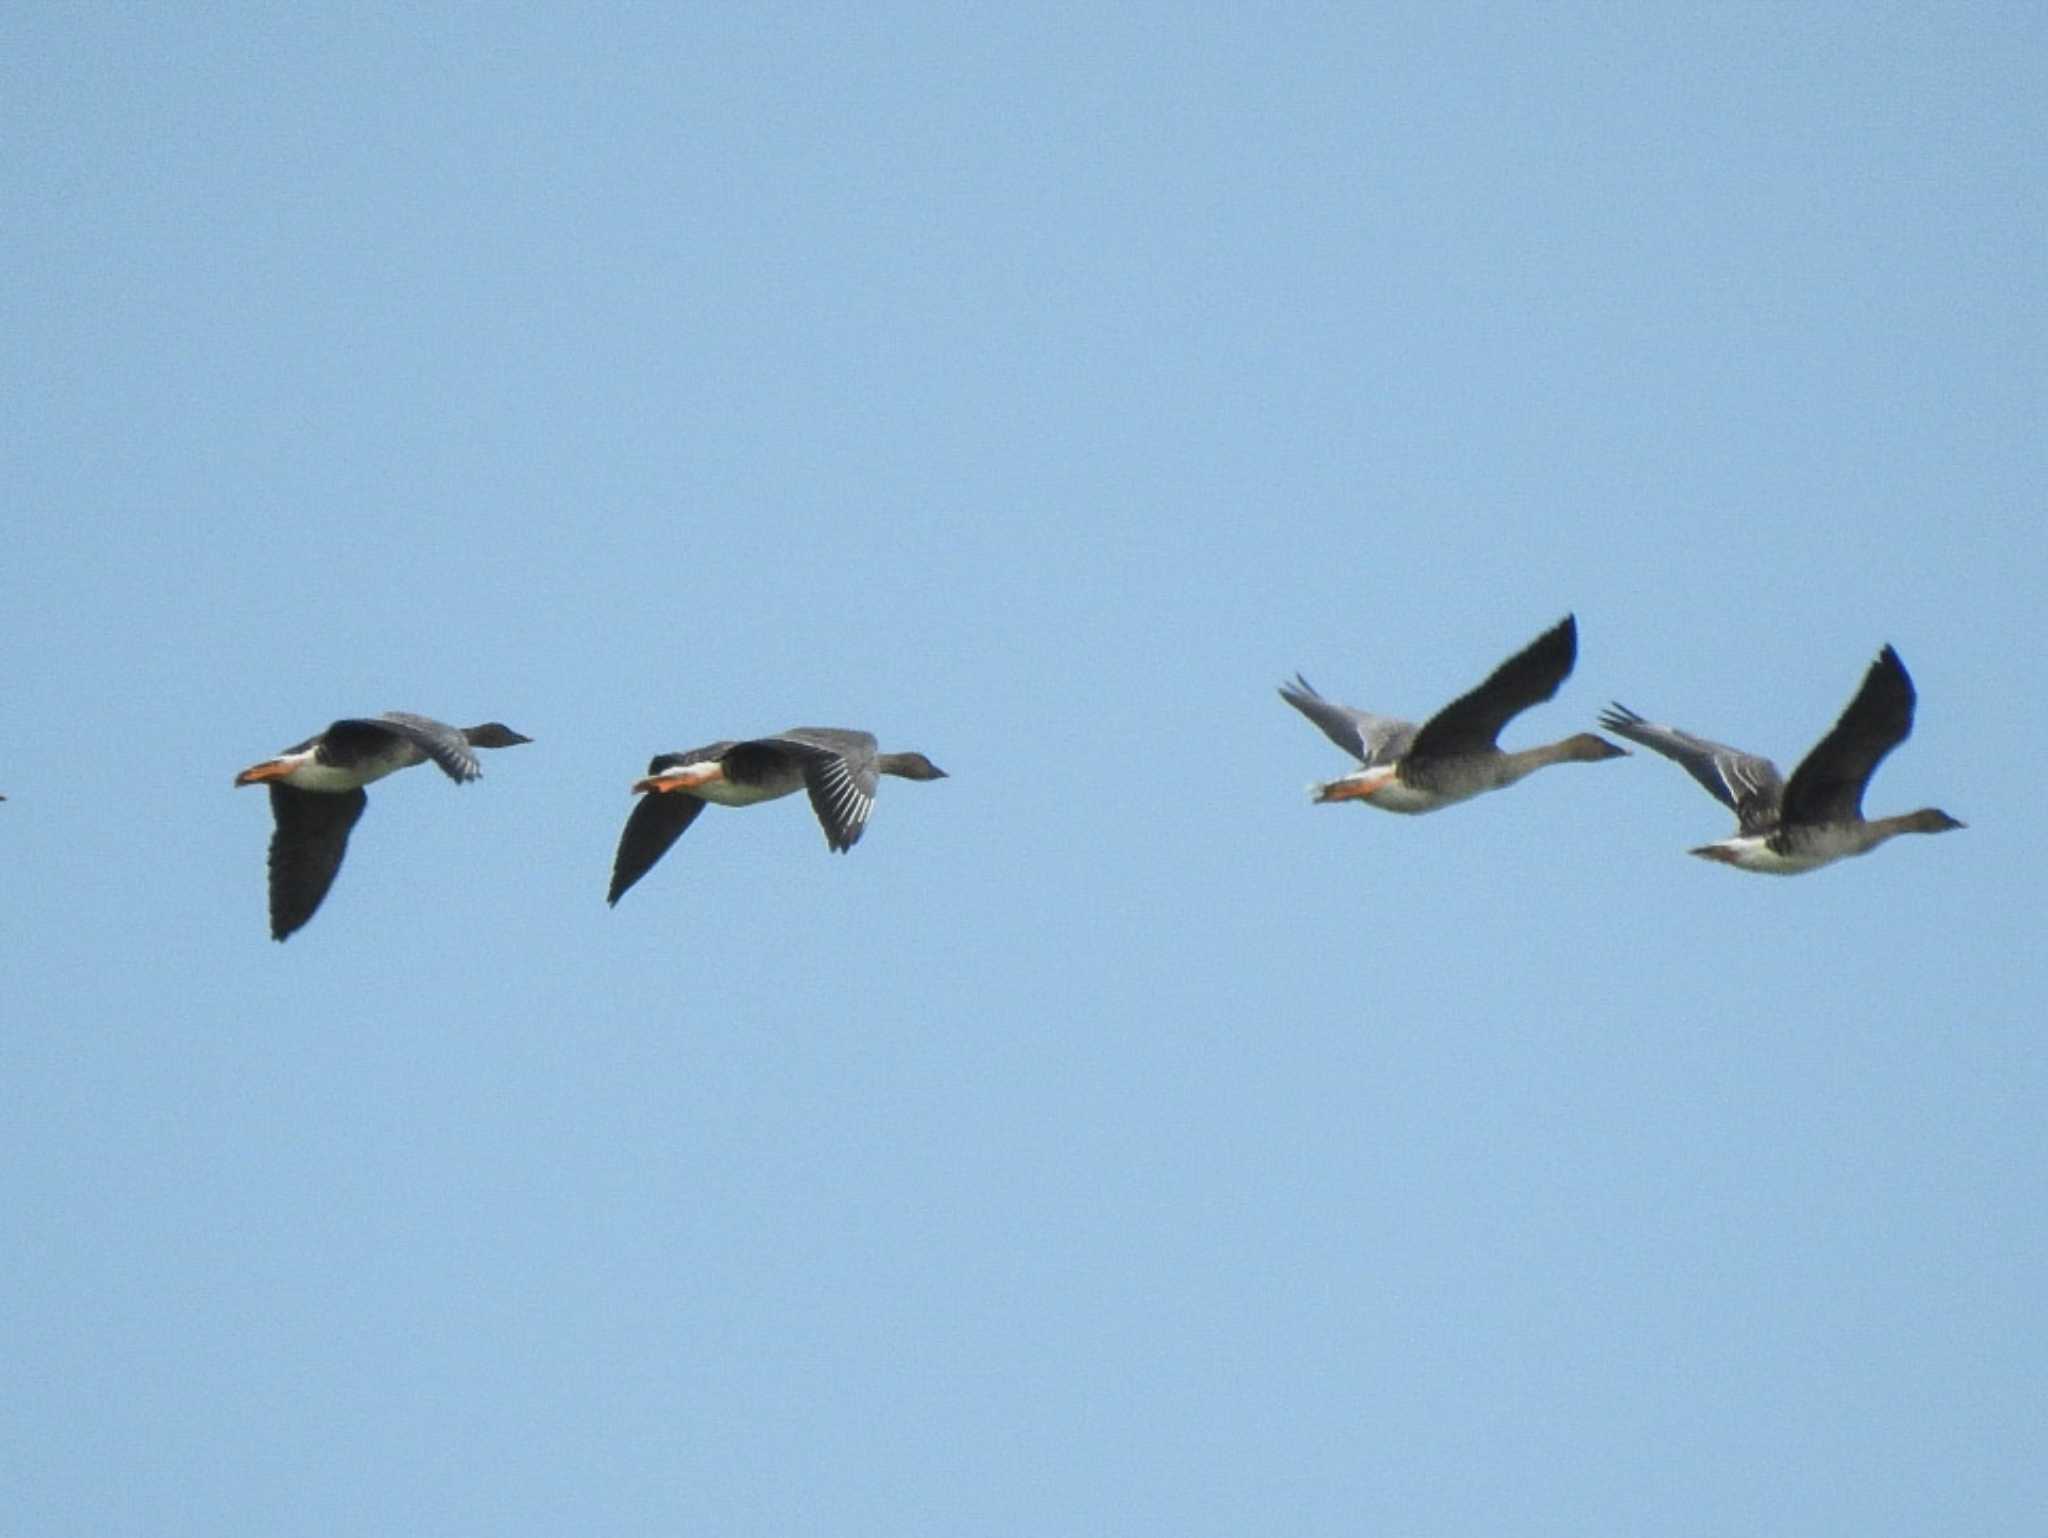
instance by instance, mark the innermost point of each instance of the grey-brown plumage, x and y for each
(1455, 754)
(1747, 785)
(839, 769)
(1788, 826)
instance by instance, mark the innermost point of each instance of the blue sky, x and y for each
(1113, 1142)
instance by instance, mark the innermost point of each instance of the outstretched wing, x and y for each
(842, 794)
(443, 743)
(657, 822)
(1747, 785)
(1370, 739)
(840, 774)
(1471, 723)
(1828, 784)
(306, 849)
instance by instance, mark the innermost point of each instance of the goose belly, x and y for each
(334, 778)
(1756, 854)
(726, 793)
(1397, 795)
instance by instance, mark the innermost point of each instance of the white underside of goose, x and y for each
(1384, 788)
(1818, 846)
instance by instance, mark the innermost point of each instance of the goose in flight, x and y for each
(839, 768)
(316, 794)
(1786, 827)
(1453, 756)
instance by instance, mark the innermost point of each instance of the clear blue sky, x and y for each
(1113, 1142)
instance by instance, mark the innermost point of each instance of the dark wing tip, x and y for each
(1536, 672)
(623, 878)
(1566, 630)
(1887, 695)
(1891, 667)
(1554, 653)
